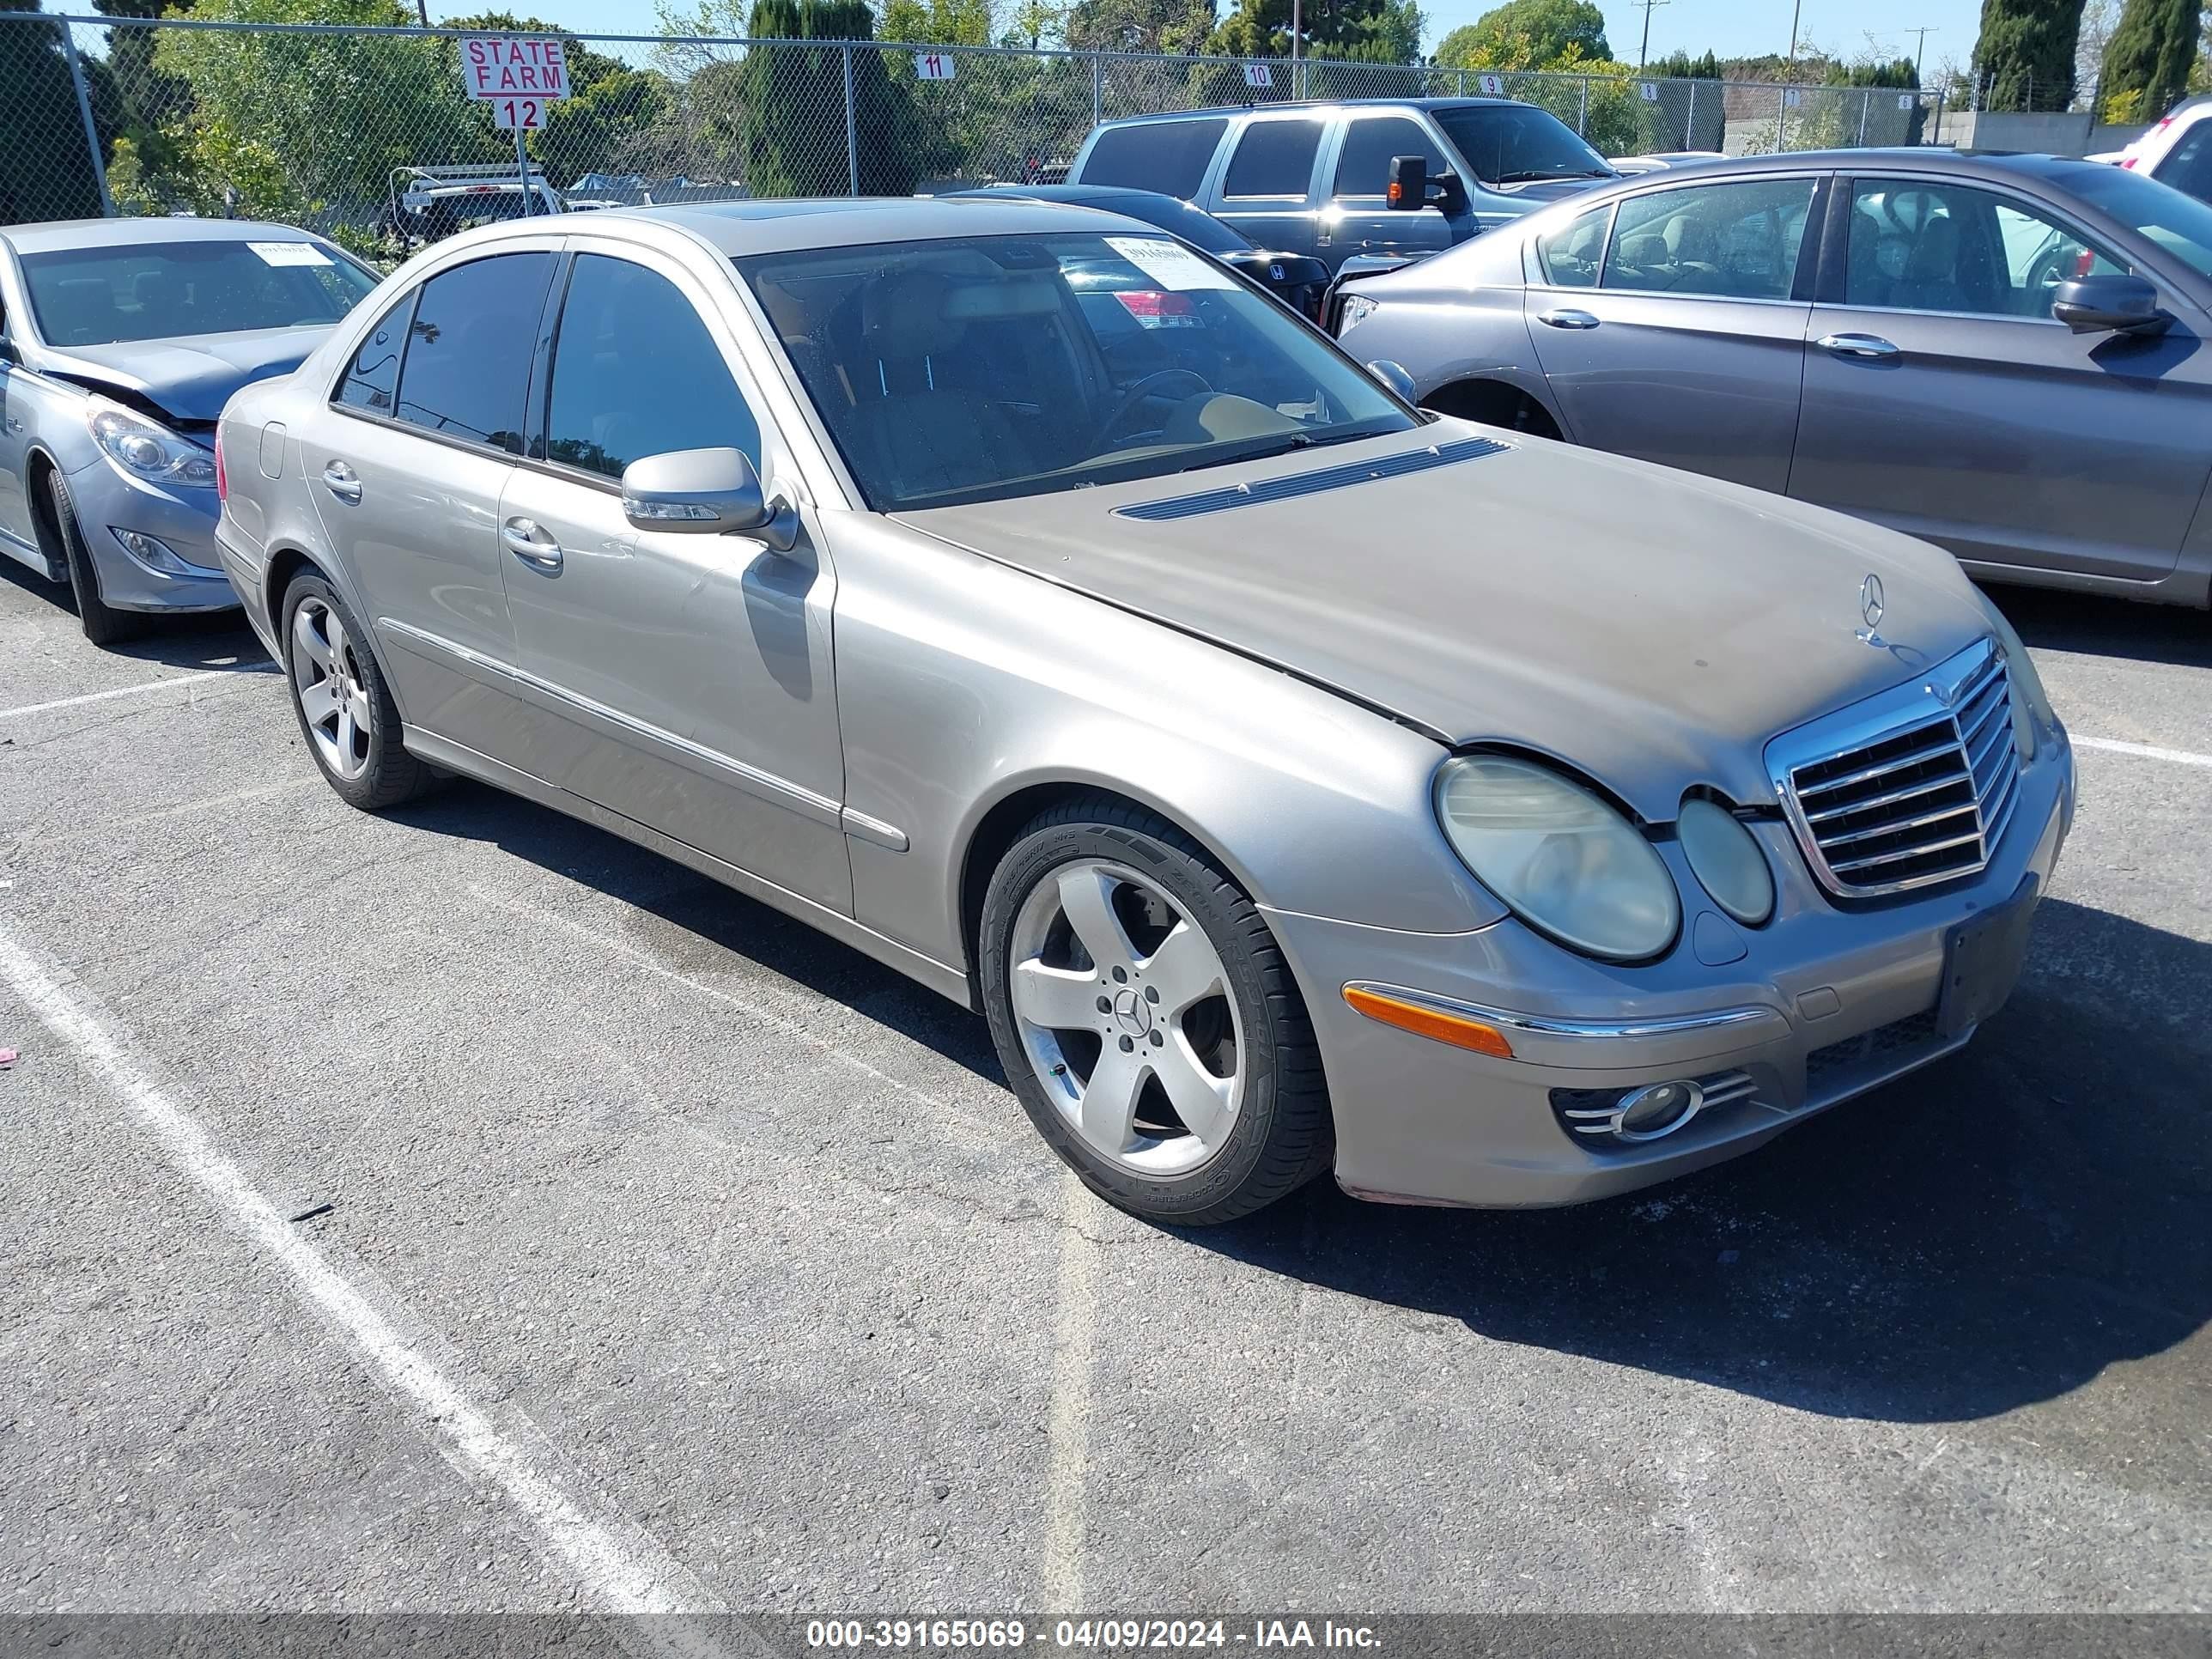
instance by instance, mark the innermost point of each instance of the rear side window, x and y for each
(1364, 168)
(1725, 241)
(1273, 158)
(1168, 156)
(467, 369)
(372, 379)
(637, 373)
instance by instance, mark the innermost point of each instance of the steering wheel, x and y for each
(1136, 394)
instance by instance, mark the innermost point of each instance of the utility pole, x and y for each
(1790, 69)
(1296, 19)
(1644, 52)
(1920, 49)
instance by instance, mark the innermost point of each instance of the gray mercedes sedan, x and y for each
(120, 340)
(2003, 353)
(1292, 779)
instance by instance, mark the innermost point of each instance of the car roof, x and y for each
(1988, 166)
(782, 226)
(65, 233)
(1074, 193)
(1315, 104)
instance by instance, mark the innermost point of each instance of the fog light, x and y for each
(155, 554)
(1657, 1109)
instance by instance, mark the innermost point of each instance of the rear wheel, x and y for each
(103, 624)
(1147, 1021)
(345, 710)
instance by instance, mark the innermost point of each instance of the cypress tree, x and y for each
(2025, 53)
(2150, 54)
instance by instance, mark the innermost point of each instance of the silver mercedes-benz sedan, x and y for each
(119, 340)
(1025, 600)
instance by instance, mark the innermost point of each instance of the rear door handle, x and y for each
(1559, 319)
(528, 540)
(339, 478)
(1870, 348)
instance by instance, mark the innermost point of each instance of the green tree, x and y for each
(1680, 66)
(2026, 53)
(1534, 32)
(46, 166)
(1365, 31)
(790, 119)
(1173, 25)
(2150, 55)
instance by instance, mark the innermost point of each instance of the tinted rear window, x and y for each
(467, 368)
(1273, 158)
(1169, 156)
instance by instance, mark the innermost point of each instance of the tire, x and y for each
(103, 624)
(351, 728)
(1226, 1107)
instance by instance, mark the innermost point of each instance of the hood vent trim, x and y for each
(1297, 484)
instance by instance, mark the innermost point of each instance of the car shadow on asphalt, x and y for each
(2050, 619)
(1994, 1230)
(210, 642)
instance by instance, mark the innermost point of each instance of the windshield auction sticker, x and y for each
(289, 253)
(1170, 265)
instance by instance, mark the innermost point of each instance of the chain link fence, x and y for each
(367, 135)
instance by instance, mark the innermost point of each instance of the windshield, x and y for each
(156, 291)
(1515, 143)
(2180, 224)
(992, 367)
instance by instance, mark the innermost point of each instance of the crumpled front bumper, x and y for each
(1824, 1005)
(107, 500)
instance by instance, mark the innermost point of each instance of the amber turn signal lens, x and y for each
(1456, 1029)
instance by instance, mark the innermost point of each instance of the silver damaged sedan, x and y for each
(1294, 781)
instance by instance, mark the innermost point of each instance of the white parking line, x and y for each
(2143, 750)
(139, 689)
(629, 1573)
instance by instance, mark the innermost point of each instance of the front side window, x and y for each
(1168, 156)
(1518, 143)
(1720, 241)
(1917, 246)
(635, 372)
(1273, 158)
(372, 378)
(466, 372)
(1363, 168)
(2188, 165)
(985, 367)
(1572, 255)
(93, 296)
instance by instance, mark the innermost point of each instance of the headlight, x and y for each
(1358, 307)
(1723, 855)
(2031, 705)
(1559, 857)
(147, 449)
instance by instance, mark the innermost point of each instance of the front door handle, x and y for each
(339, 478)
(528, 540)
(1559, 319)
(1869, 348)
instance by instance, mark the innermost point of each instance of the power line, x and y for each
(1649, 6)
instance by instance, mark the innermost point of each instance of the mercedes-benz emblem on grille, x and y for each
(1871, 608)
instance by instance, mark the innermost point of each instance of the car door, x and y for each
(16, 424)
(1358, 217)
(691, 672)
(406, 468)
(1942, 398)
(1267, 189)
(1685, 344)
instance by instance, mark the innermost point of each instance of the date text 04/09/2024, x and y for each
(1105, 1635)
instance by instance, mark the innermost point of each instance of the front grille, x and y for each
(1881, 1050)
(1925, 797)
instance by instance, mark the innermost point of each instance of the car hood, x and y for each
(190, 378)
(1649, 627)
(1549, 190)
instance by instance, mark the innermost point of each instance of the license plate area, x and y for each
(1982, 960)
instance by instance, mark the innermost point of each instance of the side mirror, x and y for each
(2115, 302)
(1409, 184)
(706, 492)
(1392, 376)
(1448, 192)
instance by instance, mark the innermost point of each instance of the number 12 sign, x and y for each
(517, 77)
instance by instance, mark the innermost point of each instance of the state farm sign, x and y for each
(518, 76)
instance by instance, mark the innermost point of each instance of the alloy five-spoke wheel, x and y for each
(1147, 1019)
(326, 678)
(1126, 1018)
(345, 711)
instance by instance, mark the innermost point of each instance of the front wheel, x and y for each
(103, 624)
(1146, 1019)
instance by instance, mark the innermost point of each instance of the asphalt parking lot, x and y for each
(673, 1256)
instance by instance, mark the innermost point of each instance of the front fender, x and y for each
(962, 683)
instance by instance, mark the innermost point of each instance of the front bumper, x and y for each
(108, 500)
(1824, 1005)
